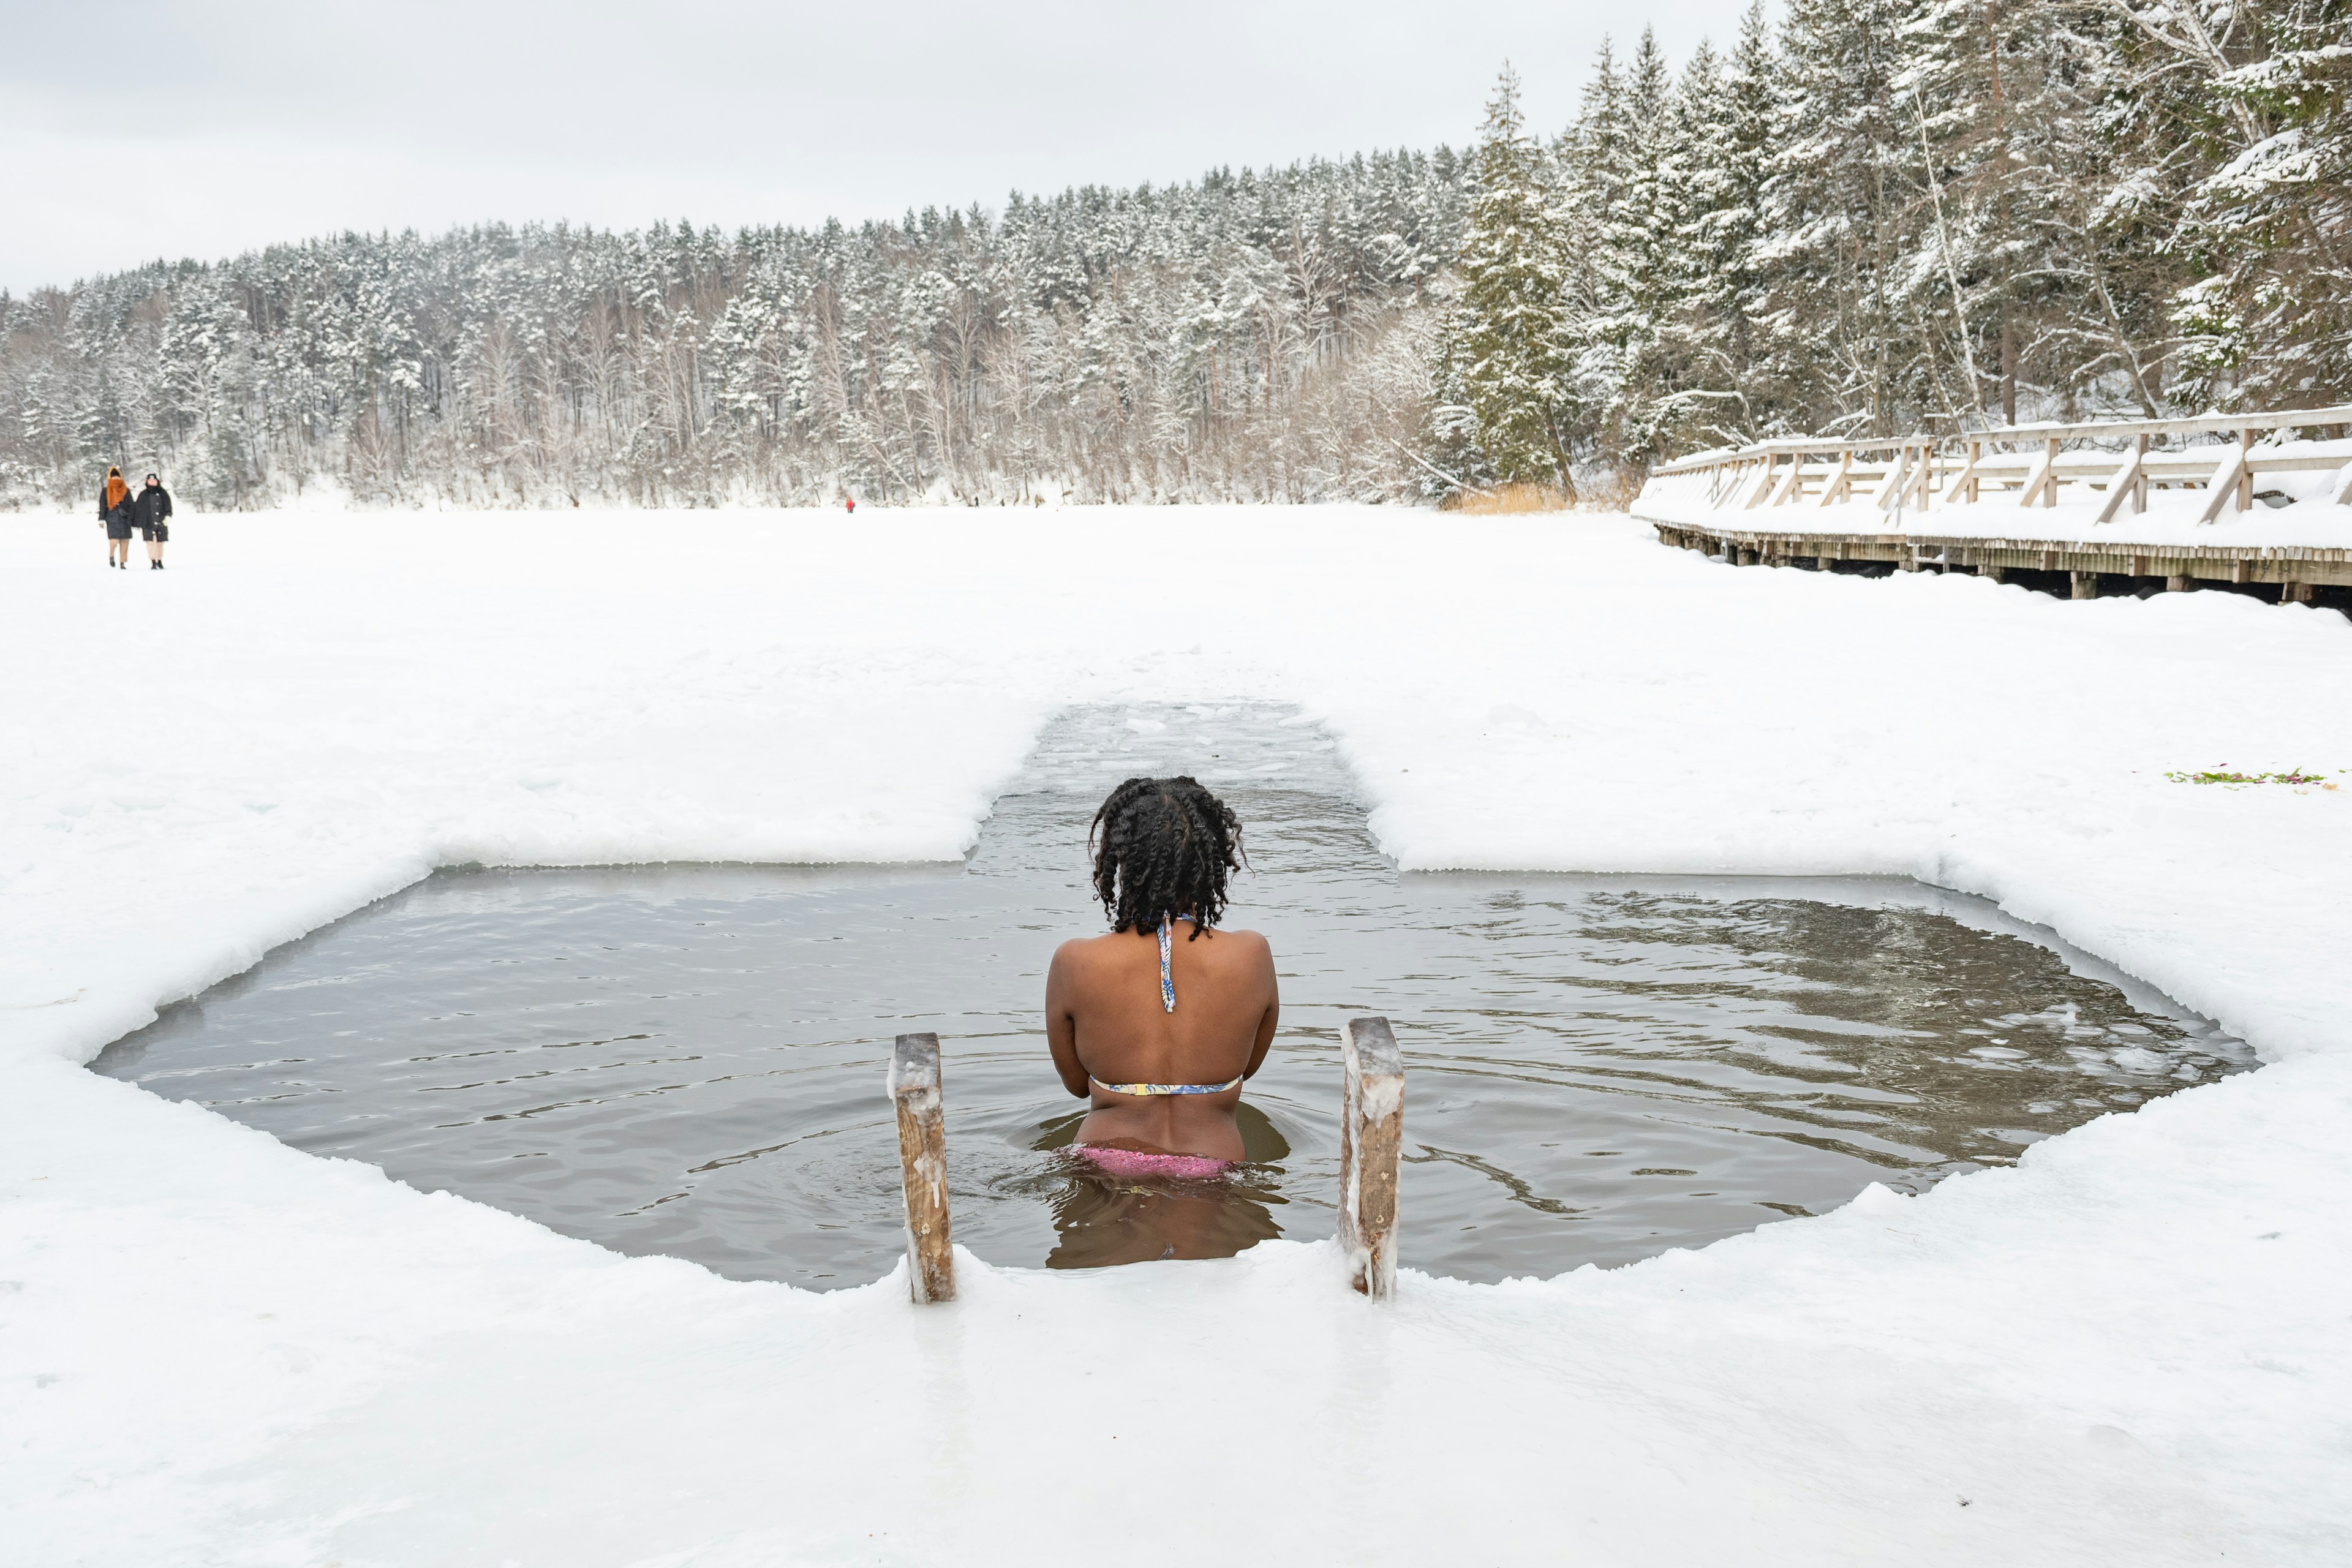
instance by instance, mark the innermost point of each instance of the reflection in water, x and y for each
(688, 1060)
(1101, 1219)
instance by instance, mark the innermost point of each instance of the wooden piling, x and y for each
(2086, 585)
(1371, 1138)
(915, 1090)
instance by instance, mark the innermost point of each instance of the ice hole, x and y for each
(688, 1060)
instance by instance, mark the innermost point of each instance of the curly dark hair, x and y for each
(1167, 846)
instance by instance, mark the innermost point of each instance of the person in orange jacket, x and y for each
(115, 515)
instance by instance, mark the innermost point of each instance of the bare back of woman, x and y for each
(1159, 1022)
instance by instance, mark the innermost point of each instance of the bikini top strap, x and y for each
(1166, 977)
(1150, 1090)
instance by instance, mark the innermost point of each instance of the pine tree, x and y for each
(1723, 127)
(1835, 205)
(1506, 335)
(1617, 207)
(2276, 216)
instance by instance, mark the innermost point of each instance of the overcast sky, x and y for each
(133, 129)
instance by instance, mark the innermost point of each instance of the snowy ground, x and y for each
(2307, 512)
(214, 1349)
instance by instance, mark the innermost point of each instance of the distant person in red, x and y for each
(115, 515)
(849, 503)
(152, 510)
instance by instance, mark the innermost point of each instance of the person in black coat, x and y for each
(115, 513)
(152, 508)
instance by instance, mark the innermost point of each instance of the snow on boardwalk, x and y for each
(2132, 1348)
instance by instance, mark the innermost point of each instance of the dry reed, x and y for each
(1511, 497)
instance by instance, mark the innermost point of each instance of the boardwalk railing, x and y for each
(1978, 503)
(2220, 454)
(1371, 1141)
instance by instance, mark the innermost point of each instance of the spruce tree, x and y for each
(2275, 219)
(1507, 340)
(1715, 171)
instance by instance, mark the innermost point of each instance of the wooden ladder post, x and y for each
(923, 1165)
(2139, 482)
(1372, 1140)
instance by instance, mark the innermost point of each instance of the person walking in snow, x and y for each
(152, 508)
(114, 515)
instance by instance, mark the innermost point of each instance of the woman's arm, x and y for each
(1060, 1019)
(1273, 1016)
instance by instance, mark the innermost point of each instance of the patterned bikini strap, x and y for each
(1167, 978)
(1150, 1090)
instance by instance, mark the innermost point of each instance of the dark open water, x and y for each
(690, 1059)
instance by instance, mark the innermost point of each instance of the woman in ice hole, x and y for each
(1158, 1022)
(115, 515)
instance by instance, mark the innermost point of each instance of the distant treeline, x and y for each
(1248, 337)
(1876, 216)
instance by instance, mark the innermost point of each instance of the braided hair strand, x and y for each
(1166, 848)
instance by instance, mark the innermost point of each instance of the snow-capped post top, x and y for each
(914, 1064)
(915, 1090)
(1371, 1138)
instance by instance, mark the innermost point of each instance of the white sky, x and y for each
(133, 129)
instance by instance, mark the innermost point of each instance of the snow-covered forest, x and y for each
(1890, 216)
(1857, 216)
(1244, 337)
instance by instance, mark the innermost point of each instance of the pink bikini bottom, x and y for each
(1134, 1164)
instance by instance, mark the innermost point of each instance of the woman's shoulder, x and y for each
(1242, 946)
(1082, 949)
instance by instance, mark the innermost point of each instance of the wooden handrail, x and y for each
(2097, 429)
(1371, 1142)
(1917, 473)
(916, 1090)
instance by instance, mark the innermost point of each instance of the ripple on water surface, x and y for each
(688, 1060)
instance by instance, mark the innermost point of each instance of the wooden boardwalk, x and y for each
(1953, 504)
(2298, 572)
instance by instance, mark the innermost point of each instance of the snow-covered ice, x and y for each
(2130, 1348)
